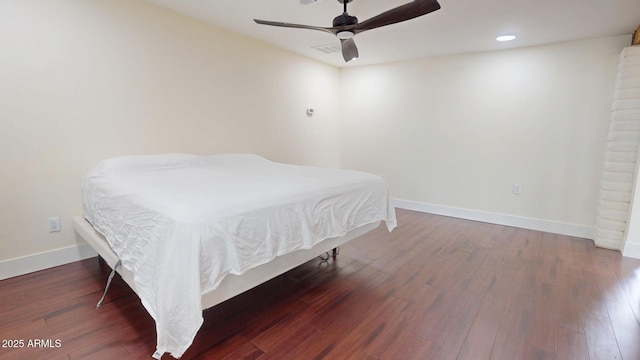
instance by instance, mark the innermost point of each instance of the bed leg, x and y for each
(324, 258)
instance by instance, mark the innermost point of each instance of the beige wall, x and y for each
(85, 80)
(459, 131)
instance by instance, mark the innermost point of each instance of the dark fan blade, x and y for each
(297, 26)
(349, 49)
(401, 13)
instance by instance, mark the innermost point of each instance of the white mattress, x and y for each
(182, 222)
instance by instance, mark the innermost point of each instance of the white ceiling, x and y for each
(461, 26)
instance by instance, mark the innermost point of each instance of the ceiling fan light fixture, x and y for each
(345, 26)
(345, 34)
(505, 38)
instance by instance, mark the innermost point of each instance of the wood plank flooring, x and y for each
(435, 288)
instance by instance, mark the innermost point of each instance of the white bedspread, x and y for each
(182, 222)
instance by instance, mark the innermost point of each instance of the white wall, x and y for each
(85, 80)
(457, 132)
(81, 81)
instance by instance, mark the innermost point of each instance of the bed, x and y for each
(192, 231)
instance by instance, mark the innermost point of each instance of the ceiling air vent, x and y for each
(328, 49)
(307, 2)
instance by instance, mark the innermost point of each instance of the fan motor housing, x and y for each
(345, 20)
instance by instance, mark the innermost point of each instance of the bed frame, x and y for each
(232, 285)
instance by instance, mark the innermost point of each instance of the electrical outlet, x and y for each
(54, 224)
(516, 189)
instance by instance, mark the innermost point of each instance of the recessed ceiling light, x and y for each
(505, 37)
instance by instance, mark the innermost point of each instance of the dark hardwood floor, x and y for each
(435, 288)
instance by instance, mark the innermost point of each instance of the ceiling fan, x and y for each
(346, 26)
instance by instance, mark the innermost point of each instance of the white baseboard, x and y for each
(631, 250)
(608, 244)
(554, 227)
(31, 263)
